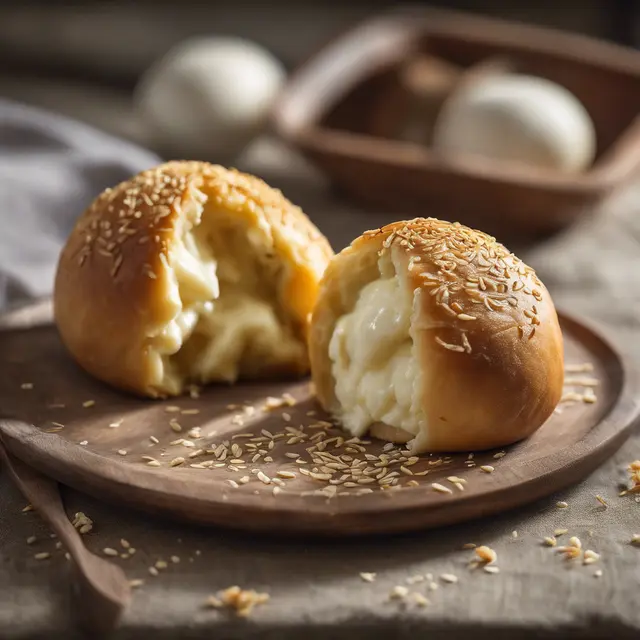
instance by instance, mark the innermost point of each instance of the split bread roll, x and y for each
(432, 333)
(189, 273)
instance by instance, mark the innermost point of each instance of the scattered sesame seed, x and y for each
(420, 600)
(88, 403)
(550, 541)
(500, 454)
(108, 551)
(440, 488)
(561, 505)
(154, 439)
(122, 452)
(153, 571)
(177, 461)
(487, 468)
(43, 555)
(368, 577)
(153, 463)
(31, 539)
(469, 545)
(28, 508)
(486, 554)
(398, 592)
(597, 573)
(590, 557)
(489, 569)
(135, 584)
(560, 532)
(161, 564)
(26, 385)
(602, 501)
(449, 578)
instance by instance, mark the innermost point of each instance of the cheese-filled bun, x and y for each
(189, 273)
(432, 333)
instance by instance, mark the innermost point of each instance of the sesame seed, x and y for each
(154, 439)
(26, 385)
(84, 443)
(469, 545)
(602, 501)
(31, 539)
(486, 554)
(561, 505)
(398, 592)
(420, 600)
(263, 478)
(42, 555)
(449, 578)
(492, 570)
(122, 452)
(487, 468)
(440, 488)
(590, 557)
(153, 571)
(560, 532)
(598, 573)
(575, 542)
(161, 564)
(108, 551)
(176, 461)
(135, 584)
(88, 403)
(550, 541)
(28, 508)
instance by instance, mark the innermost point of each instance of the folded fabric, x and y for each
(51, 168)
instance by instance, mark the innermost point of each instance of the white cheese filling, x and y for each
(376, 373)
(226, 323)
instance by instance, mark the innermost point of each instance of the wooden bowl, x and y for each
(344, 107)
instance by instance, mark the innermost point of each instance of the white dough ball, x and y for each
(207, 98)
(518, 118)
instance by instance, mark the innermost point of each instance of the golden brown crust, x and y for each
(112, 277)
(485, 331)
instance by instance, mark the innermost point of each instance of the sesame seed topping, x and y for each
(561, 505)
(449, 578)
(42, 556)
(487, 468)
(108, 551)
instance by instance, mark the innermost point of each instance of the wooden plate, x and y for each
(42, 389)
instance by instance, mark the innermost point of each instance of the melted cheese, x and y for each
(373, 362)
(225, 323)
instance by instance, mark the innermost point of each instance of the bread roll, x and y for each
(189, 273)
(432, 333)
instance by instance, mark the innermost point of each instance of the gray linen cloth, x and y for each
(50, 170)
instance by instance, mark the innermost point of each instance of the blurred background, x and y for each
(84, 58)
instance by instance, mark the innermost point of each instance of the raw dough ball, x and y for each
(518, 118)
(209, 97)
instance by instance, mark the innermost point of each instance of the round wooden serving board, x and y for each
(41, 389)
